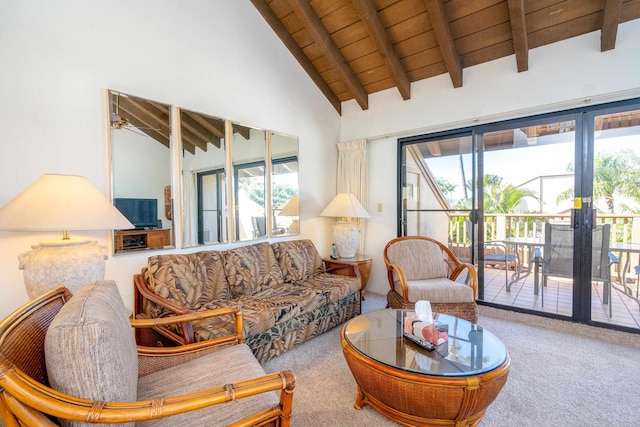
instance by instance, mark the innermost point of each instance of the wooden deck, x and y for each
(558, 296)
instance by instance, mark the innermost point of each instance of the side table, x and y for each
(362, 261)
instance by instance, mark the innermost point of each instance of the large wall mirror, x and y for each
(284, 184)
(140, 137)
(238, 182)
(248, 150)
(204, 179)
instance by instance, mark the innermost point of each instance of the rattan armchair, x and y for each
(27, 400)
(421, 268)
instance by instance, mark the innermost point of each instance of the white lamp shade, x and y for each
(291, 208)
(61, 203)
(345, 205)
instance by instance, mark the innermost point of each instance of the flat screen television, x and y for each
(142, 213)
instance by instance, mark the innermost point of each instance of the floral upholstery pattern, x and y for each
(260, 311)
(190, 280)
(251, 269)
(334, 287)
(277, 313)
(285, 335)
(298, 259)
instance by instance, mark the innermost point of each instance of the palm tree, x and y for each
(615, 175)
(504, 199)
(499, 198)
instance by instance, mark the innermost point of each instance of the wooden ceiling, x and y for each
(353, 48)
(152, 119)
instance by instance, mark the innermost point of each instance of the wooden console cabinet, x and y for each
(142, 239)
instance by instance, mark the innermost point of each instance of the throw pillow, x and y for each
(90, 349)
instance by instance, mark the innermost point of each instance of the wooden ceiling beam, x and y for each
(144, 120)
(443, 33)
(610, 20)
(320, 35)
(213, 125)
(151, 114)
(186, 145)
(369, 16)
(243, 131)
(519, 34)
(194, 140)
(286, 38)
(199, 132)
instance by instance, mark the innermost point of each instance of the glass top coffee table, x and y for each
(451, 385)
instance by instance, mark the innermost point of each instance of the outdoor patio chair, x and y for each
(557, 259)
(496, 252)
(421, 268)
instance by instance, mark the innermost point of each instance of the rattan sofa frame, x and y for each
(26, 399)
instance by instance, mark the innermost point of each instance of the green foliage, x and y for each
(615, 175)
(498, 198)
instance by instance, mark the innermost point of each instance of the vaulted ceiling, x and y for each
(353, 48)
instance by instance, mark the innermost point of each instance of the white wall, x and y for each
(218, 57)
(560, 76)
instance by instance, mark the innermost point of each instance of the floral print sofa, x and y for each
(283, 289)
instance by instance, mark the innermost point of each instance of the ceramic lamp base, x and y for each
(346, 237)
(70, 263)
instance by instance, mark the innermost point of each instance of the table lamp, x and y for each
(292, 209)
(61, 203)
(346, 234)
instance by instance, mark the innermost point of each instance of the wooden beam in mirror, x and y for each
(140, 140)
(284, 184)
(204, 193)
(249, 165)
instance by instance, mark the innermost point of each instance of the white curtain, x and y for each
(352, 177)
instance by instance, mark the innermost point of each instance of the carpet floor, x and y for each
(562, 374)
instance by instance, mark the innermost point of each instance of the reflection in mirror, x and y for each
(248, 158)
(141, 171)
(284, 184)
(205, 219)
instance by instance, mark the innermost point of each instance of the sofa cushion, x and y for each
(333, 287)
(298, 259)
(260, 311)
(90, 349)
(190, 280)
(251, 269)
(419, 259)
(226, 366)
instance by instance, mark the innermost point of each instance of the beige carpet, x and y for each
(562, 374)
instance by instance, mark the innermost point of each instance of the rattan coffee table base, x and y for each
(423, 400)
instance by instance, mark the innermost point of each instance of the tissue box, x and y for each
(436, 332)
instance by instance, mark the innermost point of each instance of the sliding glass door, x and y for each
(616, 195)
(437, 190)
(546, 207)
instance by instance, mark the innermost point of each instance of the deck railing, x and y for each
(624, 228)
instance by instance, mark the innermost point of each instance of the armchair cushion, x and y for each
(190, 280)
(90, 349)
(225, 366)
(251, 269)
(419, 259)
(438, 290)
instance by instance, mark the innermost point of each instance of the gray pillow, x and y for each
(90, 349)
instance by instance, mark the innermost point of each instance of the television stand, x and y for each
(142, 239)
